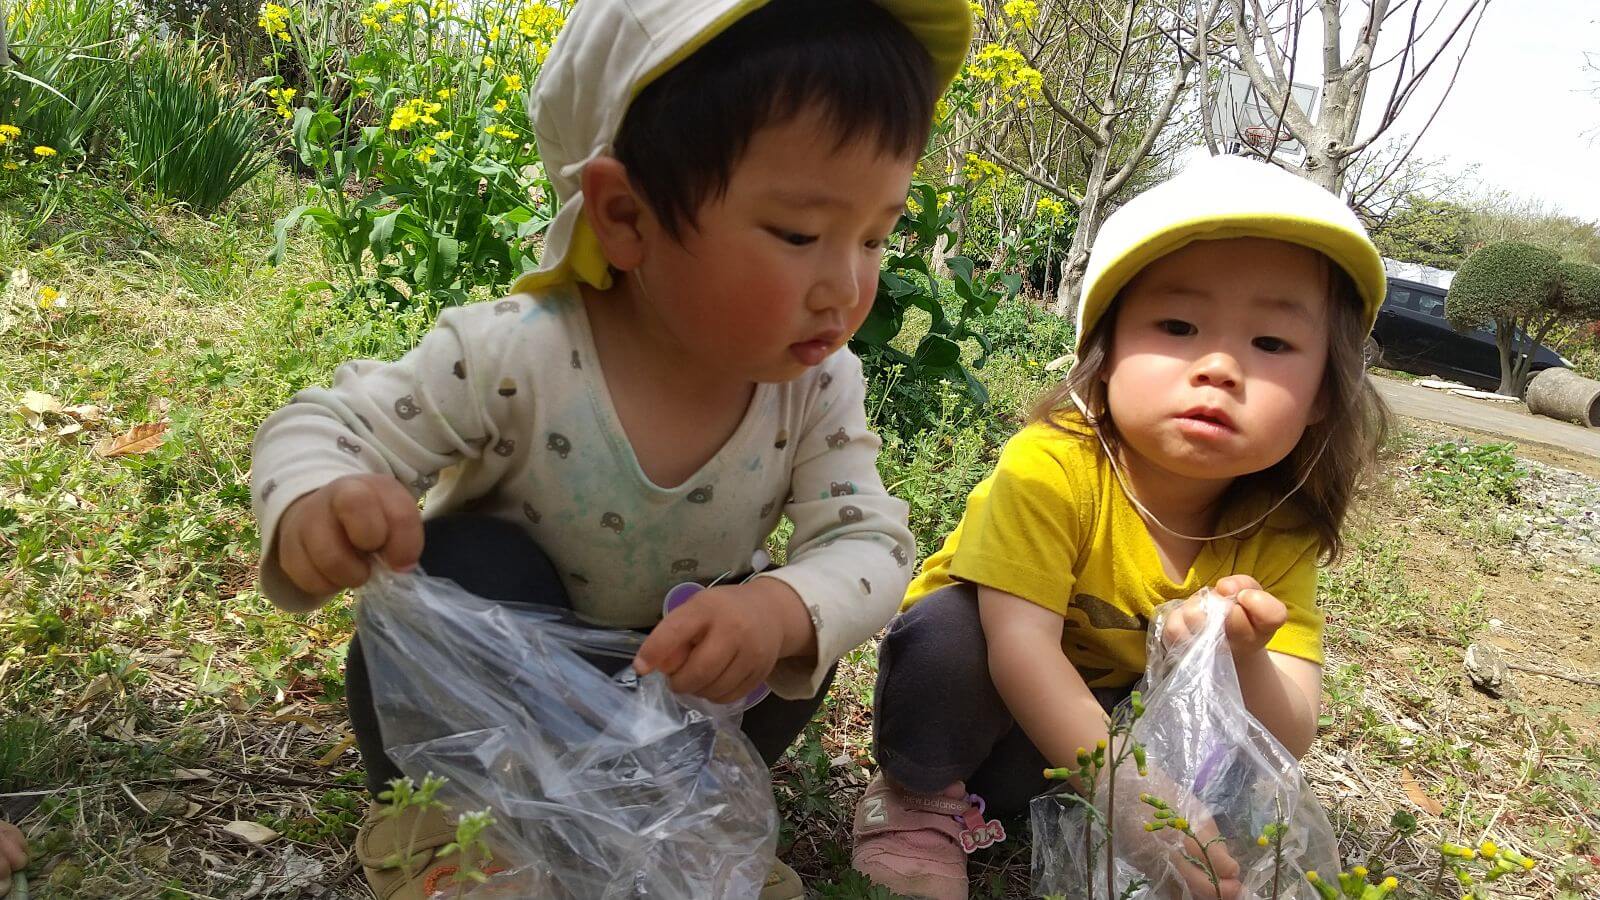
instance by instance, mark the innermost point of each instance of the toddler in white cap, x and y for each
(673, 381)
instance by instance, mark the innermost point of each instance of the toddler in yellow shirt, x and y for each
(1210, 434)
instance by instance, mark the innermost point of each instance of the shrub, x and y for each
(191, 135)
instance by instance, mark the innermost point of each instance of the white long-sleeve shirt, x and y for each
(502, 409)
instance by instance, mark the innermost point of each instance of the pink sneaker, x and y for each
(912, 843)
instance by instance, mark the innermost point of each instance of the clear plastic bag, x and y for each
(601, 786)
(1212, 761)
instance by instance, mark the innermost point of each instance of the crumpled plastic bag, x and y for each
(600, 786)
(1209, 758)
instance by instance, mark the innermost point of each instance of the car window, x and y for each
(1399, 296)
(1433, 306)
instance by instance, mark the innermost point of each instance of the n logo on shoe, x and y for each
(877, 811)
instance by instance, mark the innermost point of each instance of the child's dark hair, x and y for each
(1353, 425)
(850, 60)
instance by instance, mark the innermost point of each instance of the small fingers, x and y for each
(1234, 585)
(668, 646)
(296, 563)
(13, 849)
(707, 664)
(404, 522)
(330, 552)
(358, 507)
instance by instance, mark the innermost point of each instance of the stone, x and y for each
(1488, 671)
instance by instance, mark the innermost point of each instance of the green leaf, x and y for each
(937, 352)
(383, 232)
(280, 233)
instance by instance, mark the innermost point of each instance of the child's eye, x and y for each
(1271, 344)
(1176, 327)
(877, 243)
(794, 238)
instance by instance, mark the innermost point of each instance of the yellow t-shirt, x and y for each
(1052, 525)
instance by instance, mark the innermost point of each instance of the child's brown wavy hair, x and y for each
(1354, 423)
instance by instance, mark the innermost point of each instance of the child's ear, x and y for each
(614, 212)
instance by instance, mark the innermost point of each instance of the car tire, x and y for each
(1372, 353)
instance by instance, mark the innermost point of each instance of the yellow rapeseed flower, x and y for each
(398, 18)
(445, 93)
(513, 82)
(44, 152)
(445, 135)
(500, 105)
(274, 20)
(494, 33)
(426, 153)
(488, 62)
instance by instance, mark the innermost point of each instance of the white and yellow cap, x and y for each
(1226, 197)
(609, 51)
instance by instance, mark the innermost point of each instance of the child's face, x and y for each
(781, 270)
(1218, 354)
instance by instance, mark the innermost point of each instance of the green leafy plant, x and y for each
(192, 136)
(67, 71)
(908, 282)
(1465, 474)
(427, 182)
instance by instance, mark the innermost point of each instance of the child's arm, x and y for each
(400, 422)
(1040, 686)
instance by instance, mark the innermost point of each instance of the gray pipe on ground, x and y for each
(1564, 394)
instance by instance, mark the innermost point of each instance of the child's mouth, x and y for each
(1206, 423)
(812, 352)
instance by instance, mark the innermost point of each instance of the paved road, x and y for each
(1505, 419)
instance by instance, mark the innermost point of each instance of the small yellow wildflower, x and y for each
(48, 296)
(1390, 883)
(494, 34)
(282, 97)
(426, 153)
(444, 135)
(9, 166)
(513, 82)
(1488, 849)
(398, 18)
(274, 20)
(1180, 824)
(1262, 840)
(370, 22)
(500, 105)
(1359, 872)
(10, 131)
(445, 93)
(44, 152)
(488, 62)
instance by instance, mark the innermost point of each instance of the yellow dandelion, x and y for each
(48, 296)
(10, 131)
(44, 152)
(9, 166)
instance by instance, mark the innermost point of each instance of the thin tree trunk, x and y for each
(1503, 331)
(1088, 224)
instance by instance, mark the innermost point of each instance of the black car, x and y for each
(1413, 335)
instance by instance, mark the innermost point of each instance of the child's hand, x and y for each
(1255, 617)
(1156, 853)
(325, 536)
(13, 853)
(727, 640)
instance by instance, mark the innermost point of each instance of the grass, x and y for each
(149, 697)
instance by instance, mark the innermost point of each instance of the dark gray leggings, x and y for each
(937, 717)
(498, 560)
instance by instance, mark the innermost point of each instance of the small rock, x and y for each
(253, 832)
(1488, 670)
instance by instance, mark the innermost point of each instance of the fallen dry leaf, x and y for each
(253, 832)
(337, 751)
(40, 403)
(86, 412)
(69, 429)
(138, 439)
(1419, 796)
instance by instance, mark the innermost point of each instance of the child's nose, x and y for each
(836, 285)
(1219, 370)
